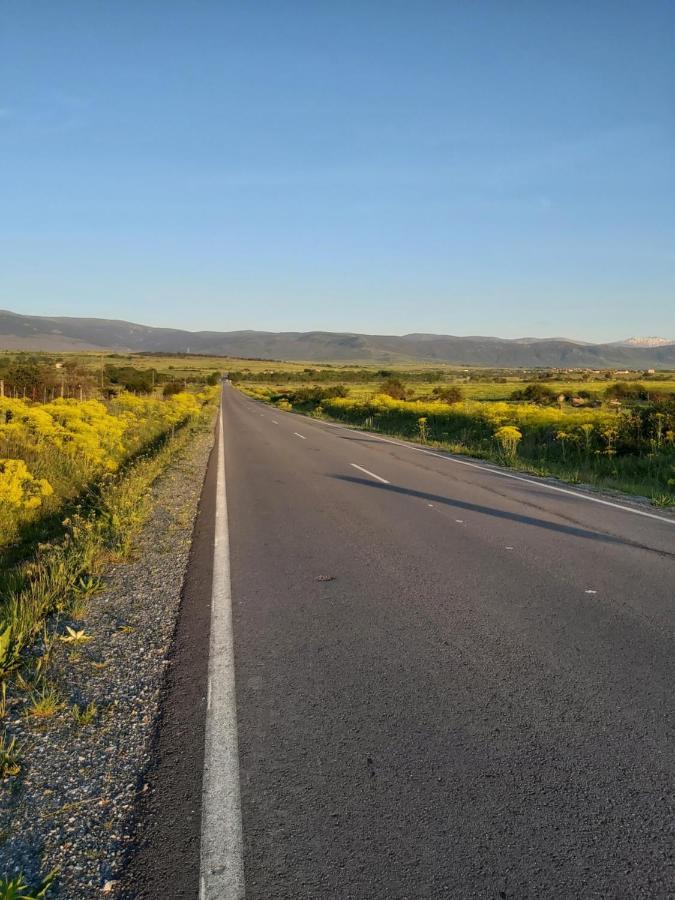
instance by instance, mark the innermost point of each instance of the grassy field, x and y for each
(487, 390)
(179, 365)
(363, 380)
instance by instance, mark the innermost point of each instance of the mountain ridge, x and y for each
(66, 333)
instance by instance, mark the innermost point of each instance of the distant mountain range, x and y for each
(645, 342)
(58, 334)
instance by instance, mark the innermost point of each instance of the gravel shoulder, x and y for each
(74, 805)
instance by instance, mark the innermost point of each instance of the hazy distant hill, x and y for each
(61, 333)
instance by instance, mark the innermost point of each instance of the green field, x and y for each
(473, 389)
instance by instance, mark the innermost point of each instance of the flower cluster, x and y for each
(52, 451)
(20, 489)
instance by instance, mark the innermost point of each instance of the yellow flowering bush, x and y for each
(508, 437)
(470, 420)
(50, 452)
(18, 488)
(632, 447)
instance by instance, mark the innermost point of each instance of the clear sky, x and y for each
(503, 168)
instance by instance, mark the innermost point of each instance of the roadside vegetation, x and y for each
(592, 428)
(74, 486)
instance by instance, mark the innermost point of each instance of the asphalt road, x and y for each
(450, 683)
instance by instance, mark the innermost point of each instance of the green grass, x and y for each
(472, 390)
(17, 888)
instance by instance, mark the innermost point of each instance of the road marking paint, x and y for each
(459, 521)
(300, 435)
(430, 505)
(501, 474)
(509, 548)
(221, 874)
(372, 474)
(590, 592)
(274, 422)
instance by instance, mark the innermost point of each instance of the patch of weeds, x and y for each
(44, 703)
(84, 715)
(74, 636)
(85, 588)
(9, 653)
(87, 585)
(663, 501)
(18, 888)
(9, 759)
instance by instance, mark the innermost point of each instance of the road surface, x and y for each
(449, 683)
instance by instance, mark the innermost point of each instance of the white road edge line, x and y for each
(221, 874)
(301, 436)
(372, 474)
(471, 465)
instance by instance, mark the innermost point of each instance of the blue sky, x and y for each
(502, 168)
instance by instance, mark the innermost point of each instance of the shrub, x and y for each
(171, 388)
(394, 387)
(508, 437)
(448, 395)
(535, 393)
(51, 452)
(626, 390)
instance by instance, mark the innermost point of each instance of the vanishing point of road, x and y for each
(437, 680)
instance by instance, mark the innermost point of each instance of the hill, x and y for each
(60, 333)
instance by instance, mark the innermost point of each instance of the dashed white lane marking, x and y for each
(590, 592)
(221, 875)
(502, 474)
(459, 521)
(372, 474)
(301, 436)
(508, 548)
(274, 422)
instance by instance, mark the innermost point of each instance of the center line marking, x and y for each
(300, 435)
(372, 474)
